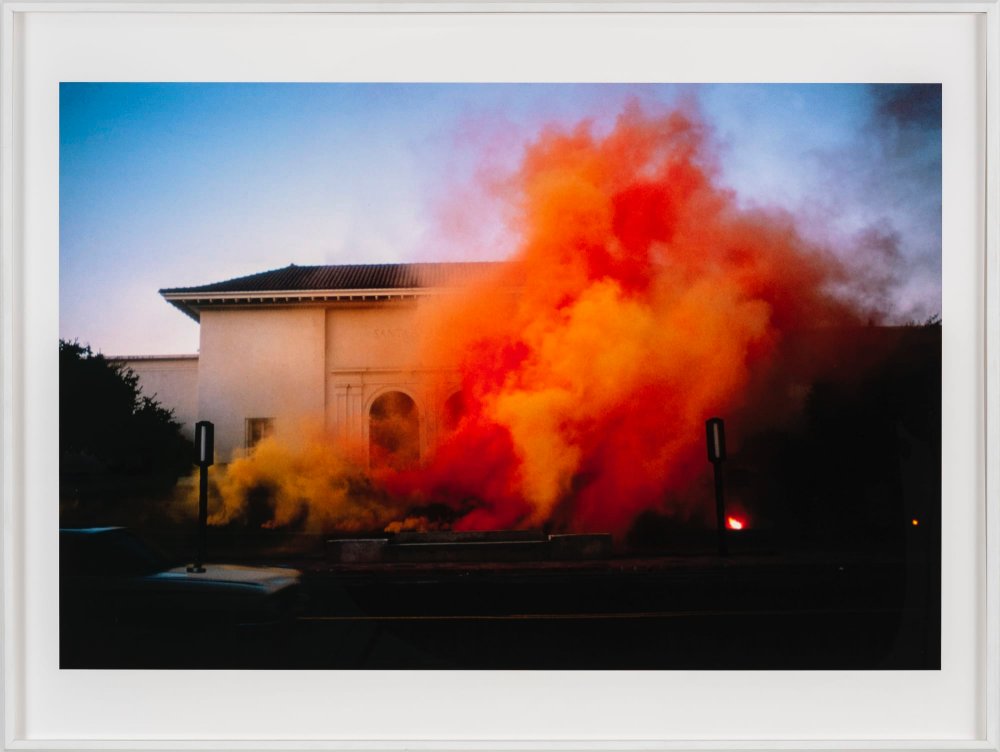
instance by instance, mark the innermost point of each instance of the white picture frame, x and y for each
(493, 710)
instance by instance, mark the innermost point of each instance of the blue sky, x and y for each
(165, 185)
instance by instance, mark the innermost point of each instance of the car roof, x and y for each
(87, 530)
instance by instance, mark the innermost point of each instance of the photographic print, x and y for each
(500, 376)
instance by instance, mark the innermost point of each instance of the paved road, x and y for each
(819, 612)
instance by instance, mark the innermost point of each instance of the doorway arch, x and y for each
(453, 412)
(394, 431)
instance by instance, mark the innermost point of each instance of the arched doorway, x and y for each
(394, 431)
(454, 411)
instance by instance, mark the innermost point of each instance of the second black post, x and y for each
(715, 438)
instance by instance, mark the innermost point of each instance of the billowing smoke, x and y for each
(312, 483)
(640, 302)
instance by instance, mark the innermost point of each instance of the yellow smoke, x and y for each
(314, 484)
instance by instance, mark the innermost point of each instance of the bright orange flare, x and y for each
(734, 524)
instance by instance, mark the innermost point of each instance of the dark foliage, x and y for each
(860, 470)
(115, 443)
(866, 461)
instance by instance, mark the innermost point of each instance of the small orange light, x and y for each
(734, 524)
(915, 522)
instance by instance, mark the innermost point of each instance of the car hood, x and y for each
(270, 579)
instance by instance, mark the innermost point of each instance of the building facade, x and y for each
(337, 347)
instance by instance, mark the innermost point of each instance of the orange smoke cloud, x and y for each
(642, 300)
(647, 300)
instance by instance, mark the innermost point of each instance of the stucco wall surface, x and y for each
(261, 363)
(378, 348)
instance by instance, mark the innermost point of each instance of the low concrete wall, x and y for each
(357, 550)
(467, 536)
(575, 547)
(481, 546)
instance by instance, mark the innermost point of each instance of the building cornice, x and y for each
(191, 303)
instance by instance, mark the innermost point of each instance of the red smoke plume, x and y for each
(642, 301)
(646, 303)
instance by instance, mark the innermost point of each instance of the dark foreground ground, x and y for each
(750, 611)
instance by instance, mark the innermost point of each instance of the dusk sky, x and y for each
(168, 185)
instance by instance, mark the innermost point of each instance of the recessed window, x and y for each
(258, 429)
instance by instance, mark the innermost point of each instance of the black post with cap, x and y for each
(715, 438)
(204, 450)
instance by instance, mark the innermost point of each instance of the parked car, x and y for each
(110, 578)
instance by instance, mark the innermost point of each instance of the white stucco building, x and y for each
(290, 347)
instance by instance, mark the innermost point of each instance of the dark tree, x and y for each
(860, 468)
(115, 443)
(865, 460)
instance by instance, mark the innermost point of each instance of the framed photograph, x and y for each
(426, 375)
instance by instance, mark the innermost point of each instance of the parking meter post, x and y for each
(720, 510)
(204, 450)
(715, 440)
(202, 516)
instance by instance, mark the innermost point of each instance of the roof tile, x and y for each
(294, 278)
